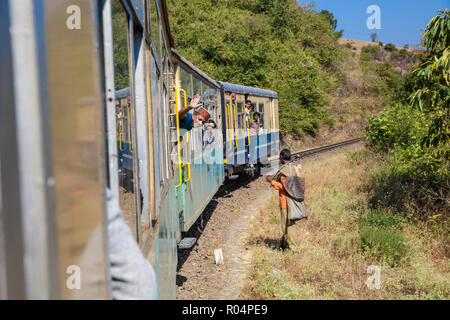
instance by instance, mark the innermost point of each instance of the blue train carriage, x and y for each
(197, 155)
(123, 123)
(166, 176)
(247, 150)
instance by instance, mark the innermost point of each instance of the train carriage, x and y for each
(246, 151)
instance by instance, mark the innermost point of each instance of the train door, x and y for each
(260, 104)
(230, 129)
(275, 132)
(268, 124)
(241, 129)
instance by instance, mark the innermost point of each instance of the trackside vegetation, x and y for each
(412, 136)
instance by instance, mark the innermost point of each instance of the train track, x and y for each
(310, 152)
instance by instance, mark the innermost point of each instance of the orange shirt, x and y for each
(282, 193)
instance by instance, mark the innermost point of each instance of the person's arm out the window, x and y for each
(195, 103)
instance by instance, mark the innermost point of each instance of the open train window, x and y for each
(260, 110)
(154, 29)
(129, 195)
(240, 115)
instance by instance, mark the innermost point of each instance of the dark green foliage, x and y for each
(120, 27)
(397, 126)
(390, 47)
(386, 73)
(411, 175)
(274, 44)
(413, 135)
(374, 37)
(328, 16)
(432, 94)
(380, 236)
(384, 244)
(378, 219)
(415, 182)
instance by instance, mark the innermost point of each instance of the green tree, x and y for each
(432, 94)
(329, 17)
(374, 37)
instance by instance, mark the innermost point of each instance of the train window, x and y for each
(166, 133)
(240, 115)
(125, 123)
(120, 32)
(154, 28)
(260, 110)
(260, 107)
(276, 124)
(158, 142)
(186, 81)
(196, 85)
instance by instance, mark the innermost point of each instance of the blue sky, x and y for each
(401, 20)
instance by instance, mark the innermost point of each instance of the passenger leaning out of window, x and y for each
(197, 118)
(251, 125)
(208, 132)
(258, 121)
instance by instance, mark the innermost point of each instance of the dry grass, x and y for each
(328, 262)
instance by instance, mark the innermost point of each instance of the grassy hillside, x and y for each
(342, 237)
(274, 44)
(293, 49)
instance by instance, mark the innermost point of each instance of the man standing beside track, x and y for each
(288, 240)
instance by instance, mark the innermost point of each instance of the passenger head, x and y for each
(248, 104)
(200, 116)
(285, 156)
(256, 116)
(210, 124)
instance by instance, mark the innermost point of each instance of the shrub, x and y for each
(370, 52)
(399, 125)
(390, 47)
(376, 218)
(384, 244)
(414, 181)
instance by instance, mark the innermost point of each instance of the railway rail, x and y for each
(314, 151)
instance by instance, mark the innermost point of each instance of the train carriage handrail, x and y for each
(229, 130)
(130, 143)
(180, 164)
(187, 135)
(235, 126)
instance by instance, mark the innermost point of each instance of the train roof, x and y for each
(237, 88)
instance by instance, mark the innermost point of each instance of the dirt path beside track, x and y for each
(225, 223)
